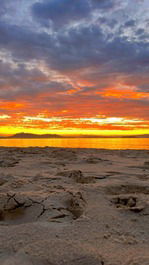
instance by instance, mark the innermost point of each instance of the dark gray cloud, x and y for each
(130, 23)
(7, 7)
(140, 31)
(78, 47)
(27, 83)
(96, 50)
(3, 7)
(61, 12)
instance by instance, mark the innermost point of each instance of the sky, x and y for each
(74, 67)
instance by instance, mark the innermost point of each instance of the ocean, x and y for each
(100, 143)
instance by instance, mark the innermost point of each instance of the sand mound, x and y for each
(77, 176)
(64, 154)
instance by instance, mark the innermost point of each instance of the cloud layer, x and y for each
(74, 60)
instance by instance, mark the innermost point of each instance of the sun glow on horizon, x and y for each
(107, 126)
(73, 69)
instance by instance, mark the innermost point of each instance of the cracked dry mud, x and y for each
(74, 206)
(18, 208)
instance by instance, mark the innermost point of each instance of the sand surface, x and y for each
(63, 206)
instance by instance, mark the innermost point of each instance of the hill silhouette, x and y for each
(31, 135)
(23, 135)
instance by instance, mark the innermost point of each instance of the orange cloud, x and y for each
(84, 83)
(12, 105)
(123, 94)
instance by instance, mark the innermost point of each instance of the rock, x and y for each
(131, 202)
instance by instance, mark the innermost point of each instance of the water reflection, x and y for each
(108, 143)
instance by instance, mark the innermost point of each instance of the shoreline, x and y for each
(70, 148)
(111, 143)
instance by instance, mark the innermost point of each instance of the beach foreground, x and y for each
(62, 206)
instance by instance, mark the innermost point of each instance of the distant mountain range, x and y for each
(46, 136)
(30, 135)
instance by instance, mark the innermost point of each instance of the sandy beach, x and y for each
(62, 206)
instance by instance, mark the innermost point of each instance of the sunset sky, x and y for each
(74, 66)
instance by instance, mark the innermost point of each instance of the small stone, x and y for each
(131, 202)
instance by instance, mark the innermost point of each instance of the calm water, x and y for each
(108, 143)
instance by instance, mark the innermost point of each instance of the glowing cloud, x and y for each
(71, 68)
